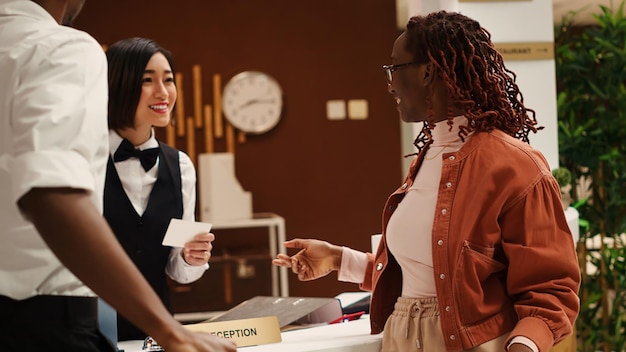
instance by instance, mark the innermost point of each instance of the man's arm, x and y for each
(81, 238)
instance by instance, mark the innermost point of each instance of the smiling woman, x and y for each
(143, 171)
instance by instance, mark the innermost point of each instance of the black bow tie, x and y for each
(126, 150)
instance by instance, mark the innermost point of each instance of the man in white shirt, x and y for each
(53, 153)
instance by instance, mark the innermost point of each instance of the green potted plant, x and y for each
(591, 77)
(564, 178)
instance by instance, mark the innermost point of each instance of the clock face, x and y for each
(252, 101)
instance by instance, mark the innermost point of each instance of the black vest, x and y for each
(141, 235)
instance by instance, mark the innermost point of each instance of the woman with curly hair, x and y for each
(476, 253)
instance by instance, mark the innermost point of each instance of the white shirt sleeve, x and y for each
(63, 94)
(524, 341)
(176, 267)
(353, 266)
(53, 118)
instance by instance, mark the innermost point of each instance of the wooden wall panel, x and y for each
(328, 179)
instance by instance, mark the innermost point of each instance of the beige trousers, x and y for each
(414, 326)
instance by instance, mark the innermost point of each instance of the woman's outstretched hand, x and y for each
(315, 259)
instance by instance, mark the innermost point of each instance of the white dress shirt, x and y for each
(53, 133)
(138, 184)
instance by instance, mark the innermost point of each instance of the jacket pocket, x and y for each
(480, 290)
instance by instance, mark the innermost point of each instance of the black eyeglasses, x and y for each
(389, 69)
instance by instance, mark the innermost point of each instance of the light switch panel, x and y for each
(336, 109)
(357, 109)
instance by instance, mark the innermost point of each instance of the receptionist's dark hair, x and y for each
(127, 61)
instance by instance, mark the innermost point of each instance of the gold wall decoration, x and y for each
(191, 140)
(197, 94)
(206, 117)
(180, 106)
(230, 138)
(241, 137)
(170, 134)
(208, 129)
(526, 51)
(217, 105)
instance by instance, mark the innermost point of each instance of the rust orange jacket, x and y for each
(503, 255)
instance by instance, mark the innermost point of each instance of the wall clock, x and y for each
(252, 102)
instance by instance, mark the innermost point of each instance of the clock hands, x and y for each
(255, 101)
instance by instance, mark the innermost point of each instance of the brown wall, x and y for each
(328, 179)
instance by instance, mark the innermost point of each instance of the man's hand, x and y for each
(189, 341)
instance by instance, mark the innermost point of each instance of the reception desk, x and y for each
(352, 336)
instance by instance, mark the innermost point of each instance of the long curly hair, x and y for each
(477, 81)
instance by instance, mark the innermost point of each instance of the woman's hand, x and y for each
(316, 259)
(198, 251)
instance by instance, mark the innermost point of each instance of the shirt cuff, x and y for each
(182, 272)
(524, 341)
(353, 266)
